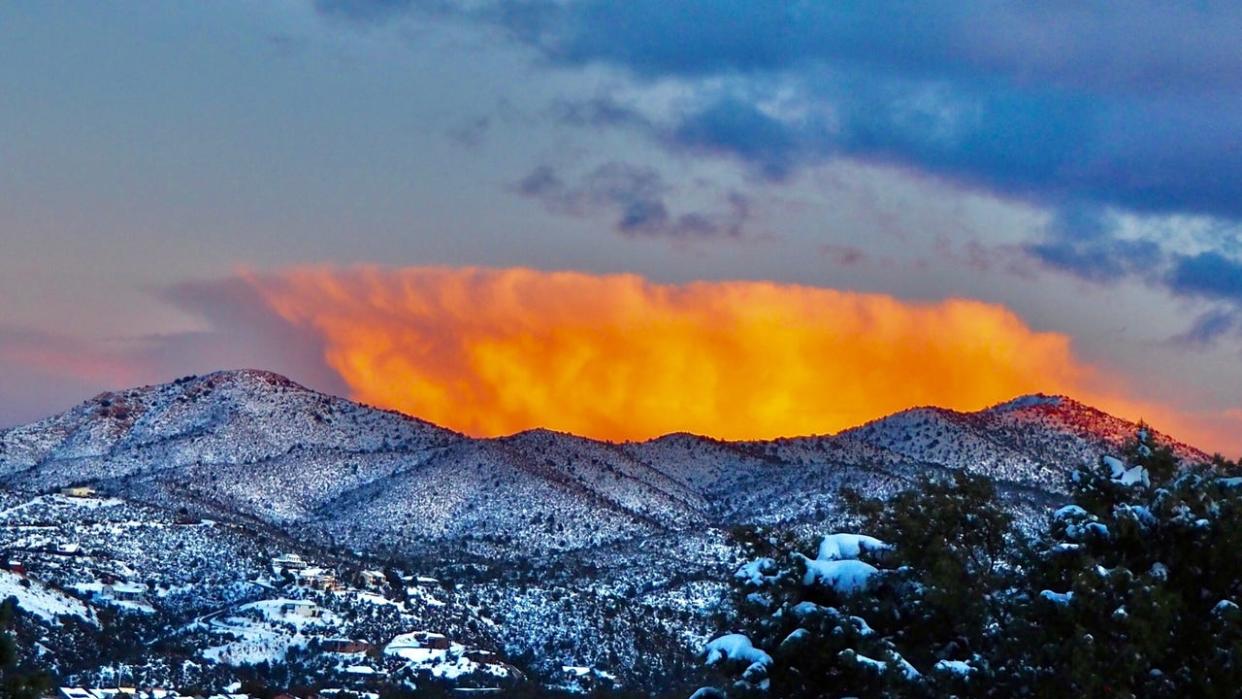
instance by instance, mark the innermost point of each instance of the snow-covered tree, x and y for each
(905, 612)
(1134, 590)
(16, 682)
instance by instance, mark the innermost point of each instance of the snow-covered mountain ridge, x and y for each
(257, 445)
(191, 490)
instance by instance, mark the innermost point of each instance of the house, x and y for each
(327, 583)
(344, 645)
(484, 657)
(300, 608)
(364, 671)
(290, 561)
(78, 491)
(373, 579)
(15, 566)
(124, 592)
(68, 548)
(318, 579)
(436, 641)
(424, 640)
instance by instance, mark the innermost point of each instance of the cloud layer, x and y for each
(1086, 110)
(494, 351)
(1137, 108)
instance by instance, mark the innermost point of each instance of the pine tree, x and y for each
(1133, 590)
(17, 682)
(916, 629)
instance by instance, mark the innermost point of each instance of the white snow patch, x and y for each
(881, 666)
(846, 577)
(1069, 511)
(1123, 474)
(1057, 597)
(41, 601)
(835, 547)
(954, 667)
(735, 646)
(1117, 466)
(757, 572)
(796, 636)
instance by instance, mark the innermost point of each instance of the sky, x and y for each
(621, 219)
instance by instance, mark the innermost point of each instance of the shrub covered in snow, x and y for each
(900, 611)
(1131, 590)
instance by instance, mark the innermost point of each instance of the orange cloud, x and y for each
(494, 351)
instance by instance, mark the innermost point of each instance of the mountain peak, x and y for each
(262, 375)
(229, 416)
(255, 379)
(1031, 400)
(246, 415)
(255, 444)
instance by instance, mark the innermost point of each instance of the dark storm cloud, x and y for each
(1138, 107)
(735, 127)
(1211, 327)
(1208, 275)
(1082, 241)
(1145, 47)
(1077, 107)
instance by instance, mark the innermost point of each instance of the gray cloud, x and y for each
(242, 332)
(1209, 275)
(636, 197)
(1136, 107)
(1211, 327)
(1082, 241)
(1086, 109)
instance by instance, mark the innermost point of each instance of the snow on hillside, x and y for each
(43, 602)
(222, 418)
(582, 558)
(256, 445)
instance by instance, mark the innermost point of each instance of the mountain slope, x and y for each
(226, 417)
(1032, 440)
(258, 446)
(555, 551)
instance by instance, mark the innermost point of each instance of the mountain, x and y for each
(255, 445)
(559, 551)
